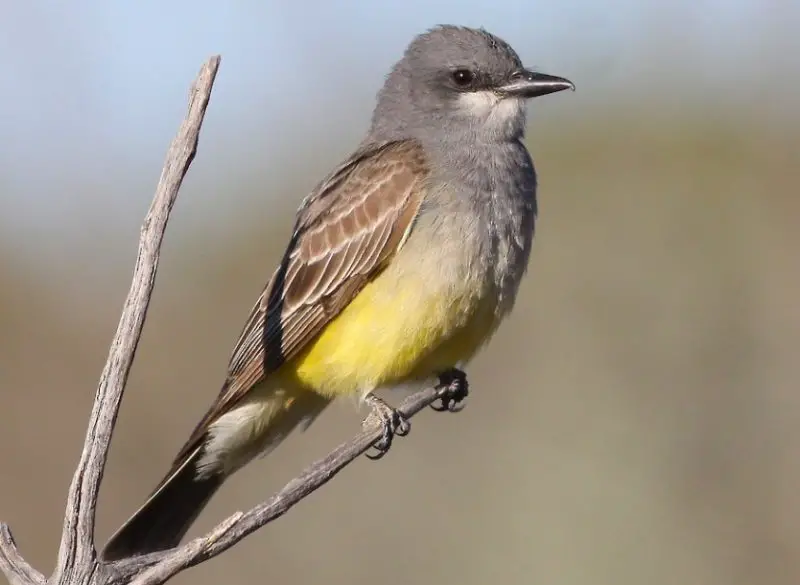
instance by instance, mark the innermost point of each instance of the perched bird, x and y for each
(402, 263)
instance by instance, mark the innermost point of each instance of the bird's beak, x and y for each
(530, 84)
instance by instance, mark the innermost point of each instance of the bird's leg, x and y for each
(391, 420)
(456, 389)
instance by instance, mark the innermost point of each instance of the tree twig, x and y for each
(77, 539)
(77, 551)
(18, 571)
(166, 564)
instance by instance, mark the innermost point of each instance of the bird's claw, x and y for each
(455, 390)
(392, 422)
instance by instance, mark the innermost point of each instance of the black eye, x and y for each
(463, 77)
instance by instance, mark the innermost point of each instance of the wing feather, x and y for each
(345, 232)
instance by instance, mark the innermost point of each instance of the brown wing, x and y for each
(346, 231)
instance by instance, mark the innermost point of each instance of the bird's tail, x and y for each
(166, 516)
(175, 504)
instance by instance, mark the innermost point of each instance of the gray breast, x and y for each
(495, 189)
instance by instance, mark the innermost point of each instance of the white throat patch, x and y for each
(492, 109)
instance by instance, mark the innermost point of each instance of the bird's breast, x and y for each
(440, 298)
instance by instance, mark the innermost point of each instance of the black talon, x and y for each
(392, 422)
(456, 389)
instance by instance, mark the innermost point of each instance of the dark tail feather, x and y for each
(167, 514)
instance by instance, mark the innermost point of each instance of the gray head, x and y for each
(458, 83)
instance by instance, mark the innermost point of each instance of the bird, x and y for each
(401, 265)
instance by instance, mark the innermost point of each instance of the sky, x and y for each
(92, 87)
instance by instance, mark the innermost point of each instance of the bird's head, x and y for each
(461, 83)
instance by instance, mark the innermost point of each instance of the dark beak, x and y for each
(530, 84)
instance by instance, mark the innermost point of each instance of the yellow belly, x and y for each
(395, 330)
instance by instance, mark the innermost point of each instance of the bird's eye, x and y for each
(463, 77)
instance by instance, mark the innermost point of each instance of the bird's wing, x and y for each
(346, 232)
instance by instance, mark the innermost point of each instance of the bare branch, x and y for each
(18, 571)
(77, 552)
(77, 539)
(167, 564)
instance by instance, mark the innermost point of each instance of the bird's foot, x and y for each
(453, 383)
(392, 423)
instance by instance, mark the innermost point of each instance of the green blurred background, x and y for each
(636, 421)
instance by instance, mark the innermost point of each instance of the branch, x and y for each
(77, 552)
(18, 571)
(156, 568)
(77, 539)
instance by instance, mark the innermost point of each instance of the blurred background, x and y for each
(637, 421)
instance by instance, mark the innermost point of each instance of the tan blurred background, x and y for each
(637, 421)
